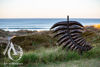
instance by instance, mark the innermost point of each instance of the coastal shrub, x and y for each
(2, 47)
(3, 33)
(34, 41)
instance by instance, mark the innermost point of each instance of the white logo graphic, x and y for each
(17, 51)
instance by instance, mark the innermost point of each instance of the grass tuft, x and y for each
(54, 54)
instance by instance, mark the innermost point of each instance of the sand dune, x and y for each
(95, 26)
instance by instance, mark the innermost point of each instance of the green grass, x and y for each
(76, 63)
(56, 57)
(54, 54)
(40, 55)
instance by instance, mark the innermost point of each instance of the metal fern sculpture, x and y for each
(70, 35)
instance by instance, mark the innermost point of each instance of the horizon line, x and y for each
(50, 18)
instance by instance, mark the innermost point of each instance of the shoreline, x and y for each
(15, 30)
(27, 38)
(5, 34)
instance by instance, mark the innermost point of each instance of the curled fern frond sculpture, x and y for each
(70, 35)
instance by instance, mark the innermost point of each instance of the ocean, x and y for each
(39, 24)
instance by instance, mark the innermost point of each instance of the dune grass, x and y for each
(75, 63)
(55, 54)
(56, 57)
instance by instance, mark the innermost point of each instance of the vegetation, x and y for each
(35, 41)
(3, 33)
(40, 50)
(44, 55)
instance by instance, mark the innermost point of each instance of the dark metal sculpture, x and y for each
(70, 35)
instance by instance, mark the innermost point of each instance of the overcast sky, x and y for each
(49, 8)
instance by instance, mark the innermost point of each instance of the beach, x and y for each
(5, 34)
(40, 47)
(24, 27)
(49, 33)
